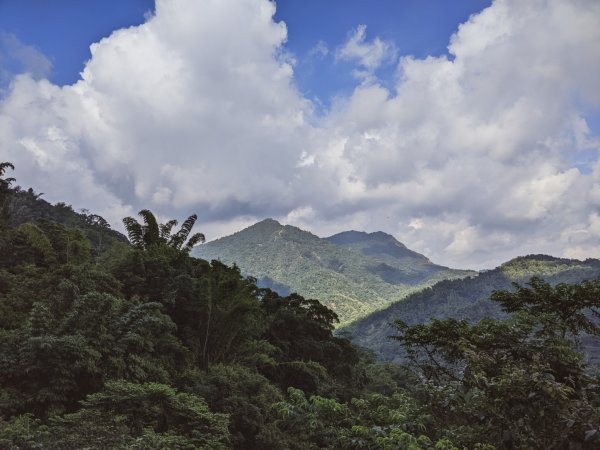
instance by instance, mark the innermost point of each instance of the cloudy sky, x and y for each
(470, 132)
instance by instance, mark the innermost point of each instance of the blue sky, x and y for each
(469, 129)
(416, 27)
(63, 30)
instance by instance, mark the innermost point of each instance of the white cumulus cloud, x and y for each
(468, 158)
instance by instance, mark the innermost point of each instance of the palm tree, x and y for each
(5, 182)
(5, 189)
(151, 232)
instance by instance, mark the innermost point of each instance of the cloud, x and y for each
(368, 55)
(17, 57)
(477, 149)
(468, 158)
(320, 50)
(193, 110)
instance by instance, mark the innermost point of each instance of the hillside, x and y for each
(464, 299)
(24, 206)
(353, 284)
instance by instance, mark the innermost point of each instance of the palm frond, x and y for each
(196, 239)
(135, 232)
(165, 230)
(4, 166)
(151, 231)
(5, 183)
(180, 237)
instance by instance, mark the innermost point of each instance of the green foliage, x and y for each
(372, 422)
(5, 182)
(170, 329)
(23, 432)
(4, 190)
(181, 418)
(524, 370)
(566, 305)
(38, 241)
(151, 233)
(27, 207)
(246, 396)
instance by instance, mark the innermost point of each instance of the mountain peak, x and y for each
(266, 226)
(267, 222)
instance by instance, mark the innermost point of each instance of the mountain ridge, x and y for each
(466, 298)
(347, 238)
(289, 259)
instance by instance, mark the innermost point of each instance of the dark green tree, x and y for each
(518, 383)
(148, 415)
(4, 189)
(5, 182)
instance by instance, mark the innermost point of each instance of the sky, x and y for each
(470, 130)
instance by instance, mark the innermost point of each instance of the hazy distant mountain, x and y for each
(465, 299)
(397, 263)
(337, 270)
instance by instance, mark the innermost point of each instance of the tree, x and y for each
(4, 188)
(130, 415)
(5, 182)
(151, 233)
(216, 311)
(517, 383)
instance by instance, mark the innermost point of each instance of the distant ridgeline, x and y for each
(26, 206)
(354, 273)
(468, 299)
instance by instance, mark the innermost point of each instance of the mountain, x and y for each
(335, 270)
(466, 298)
(397, 263)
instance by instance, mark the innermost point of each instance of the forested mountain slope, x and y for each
(27, 206)
(464, 299)
(351, 283)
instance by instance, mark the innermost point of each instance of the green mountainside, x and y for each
(335, 270)
(26, 206)
(466, 298)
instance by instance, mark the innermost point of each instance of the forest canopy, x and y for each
(110, 343)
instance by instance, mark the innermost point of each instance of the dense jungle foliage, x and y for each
(110, 345)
